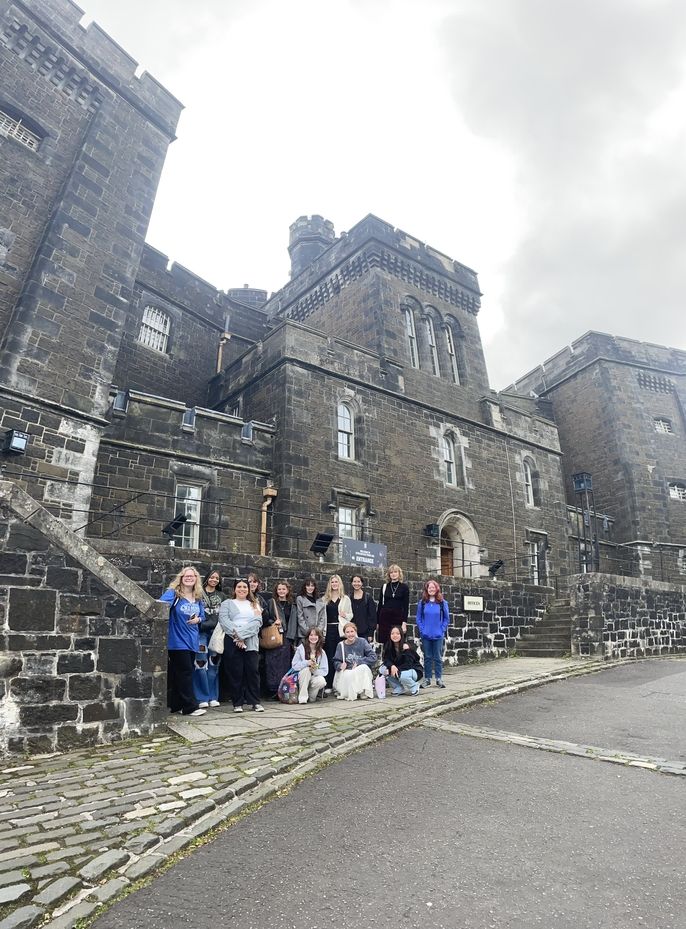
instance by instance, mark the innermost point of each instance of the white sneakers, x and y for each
(214, 703)
(204, 705)
(198, 712)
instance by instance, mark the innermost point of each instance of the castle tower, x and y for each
(309, 237)
(83, 140)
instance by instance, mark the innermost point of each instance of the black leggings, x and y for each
(241, 676)
(180, 693)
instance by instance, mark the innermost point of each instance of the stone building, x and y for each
(619, 408)
(355, 401)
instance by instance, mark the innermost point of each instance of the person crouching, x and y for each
(312, 665)
(353, 661)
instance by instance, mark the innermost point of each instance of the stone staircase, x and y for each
(552, 636)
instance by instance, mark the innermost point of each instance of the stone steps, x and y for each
(552, 636)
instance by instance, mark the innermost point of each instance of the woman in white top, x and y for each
(241, 620)
(311, 663)
(338, 612)
(354, 660)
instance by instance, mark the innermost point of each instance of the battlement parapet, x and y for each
(594, 346)
(377, 243)
(49, 35)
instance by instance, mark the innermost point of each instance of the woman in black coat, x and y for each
(364, 608)
(401, 663)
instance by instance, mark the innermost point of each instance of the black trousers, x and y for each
(180, 693)
(241, 675)
(330, 642)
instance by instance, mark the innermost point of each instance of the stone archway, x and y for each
(459, 547)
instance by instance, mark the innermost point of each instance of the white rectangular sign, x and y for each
(473, 603)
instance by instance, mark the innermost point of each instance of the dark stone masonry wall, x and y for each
(509, 609)
(80, 664)
(620, 617)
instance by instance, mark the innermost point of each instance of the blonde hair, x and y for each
(341, 588)
(177, 586)
(394, 567)
(348, 624)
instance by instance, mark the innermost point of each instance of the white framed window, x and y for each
(449, 460)
(677, 491)
(235, 408)
(663, 425)
(155, 327)
(411, 334)
(188, 502)
(14, 129)
(346, 431)
(452, 355)
(348, 522)
(433, 350)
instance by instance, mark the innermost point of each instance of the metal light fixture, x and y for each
(15, 442)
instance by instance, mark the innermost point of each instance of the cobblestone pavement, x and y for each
(76, 830)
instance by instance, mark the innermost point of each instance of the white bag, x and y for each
(216, 643)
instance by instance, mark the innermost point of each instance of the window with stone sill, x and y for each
(663, 425)
(449, 460)
(433, 350)
(155, 329)
(15, 129)
(411, 333)
(345, 421)
(532, 493)
(452, 355)
(188, 501)
(348, 522)
(677, 491)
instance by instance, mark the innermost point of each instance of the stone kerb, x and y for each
(623, 617)
(84, 647)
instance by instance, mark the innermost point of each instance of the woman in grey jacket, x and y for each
(311, 609)
(241, 620)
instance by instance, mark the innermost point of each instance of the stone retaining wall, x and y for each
(621, 617)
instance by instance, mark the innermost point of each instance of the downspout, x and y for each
(268, 493)
(514, 517)
(223, 339)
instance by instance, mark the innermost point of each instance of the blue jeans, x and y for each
(206, 671)
(405, 684)
(433, 657)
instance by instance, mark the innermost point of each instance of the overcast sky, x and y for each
(540, 142)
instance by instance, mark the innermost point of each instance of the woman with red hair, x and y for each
(433, 617)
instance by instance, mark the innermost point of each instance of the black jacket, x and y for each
(364, 615)
(407, 660)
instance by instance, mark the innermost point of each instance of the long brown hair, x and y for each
(287, 585)
(320, 641)
(438, 594)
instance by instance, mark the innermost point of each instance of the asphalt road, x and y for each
(439, 831)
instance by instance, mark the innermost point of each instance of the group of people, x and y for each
(245, 645)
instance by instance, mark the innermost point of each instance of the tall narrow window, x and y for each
(433, 351)
(528, 484)
(449, 460)
(348, 523)
(155, 328)
(188, 501)
(452, 355)
(411, 334)
(346, 431)
(15, 129)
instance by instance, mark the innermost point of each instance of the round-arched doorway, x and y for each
(459, 547)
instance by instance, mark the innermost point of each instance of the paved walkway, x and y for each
(77, 830)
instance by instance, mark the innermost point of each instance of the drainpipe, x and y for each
(268, 493)
(223, 339)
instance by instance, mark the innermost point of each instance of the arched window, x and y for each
(532, 495)
(433, 350)
(155, 327)
(449, 460)
(677, 491)
(346, 431)
(452, 355)
(411, 334)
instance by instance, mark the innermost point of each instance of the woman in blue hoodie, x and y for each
(433, 617)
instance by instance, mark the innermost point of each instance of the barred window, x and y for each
(663, 425)
(346, 431)
(15, 129)
(677, 491)
(155, 327)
